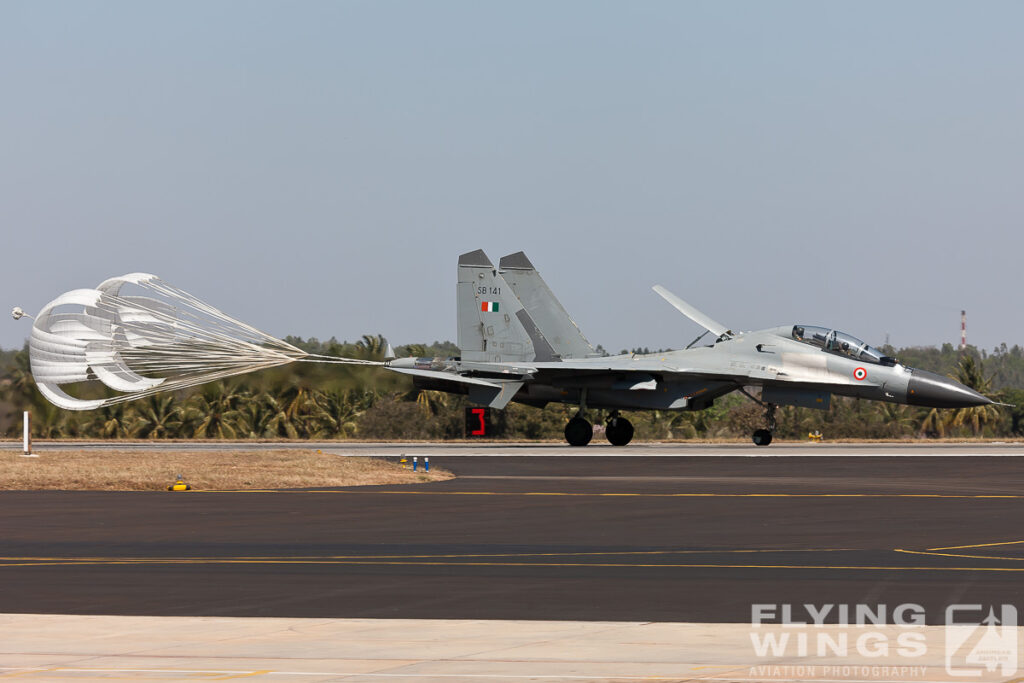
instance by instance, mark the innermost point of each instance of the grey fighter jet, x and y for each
(518, 344)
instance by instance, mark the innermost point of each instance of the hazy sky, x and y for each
(316, 168)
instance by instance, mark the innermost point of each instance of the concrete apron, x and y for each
(60, 647)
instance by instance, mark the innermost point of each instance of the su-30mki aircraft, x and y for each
(136, 335)
(518, 344)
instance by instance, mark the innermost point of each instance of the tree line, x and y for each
(306, 401)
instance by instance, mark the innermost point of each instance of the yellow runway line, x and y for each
(977, 545)
(577, 565)
(254, 558)
(972, 557)
(573, 565)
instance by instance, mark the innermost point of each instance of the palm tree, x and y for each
(213, 411)
(20, 389)
(340, 410)
(156, 417)
(897, 418)
(971, 374)
(935, 423)
(416, 350)
(110, 422)
(279, 424)
(302, 407)
(253, 417)
(372, 347)
(432, 402)
(51, 422)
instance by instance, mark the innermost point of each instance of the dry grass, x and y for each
(204, 470)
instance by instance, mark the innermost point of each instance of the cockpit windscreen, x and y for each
(837, 342)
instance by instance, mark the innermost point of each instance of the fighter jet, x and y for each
(517, 343)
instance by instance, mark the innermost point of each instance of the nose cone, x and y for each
(935, 391)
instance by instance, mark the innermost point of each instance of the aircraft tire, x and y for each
(578, 432)
(762, 437)
(619, 431)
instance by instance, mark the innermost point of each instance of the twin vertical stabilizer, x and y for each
(536, 297)
(493, 325)
(508, 314)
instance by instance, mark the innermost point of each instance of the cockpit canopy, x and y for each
(840, 343)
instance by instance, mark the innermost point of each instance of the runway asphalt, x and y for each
(697, 537)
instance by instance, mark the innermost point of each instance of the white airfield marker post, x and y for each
(27, 437)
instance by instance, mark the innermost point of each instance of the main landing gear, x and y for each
(579, 432)
(618, 429)
(763, 437)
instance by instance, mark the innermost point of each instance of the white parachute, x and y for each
(139, 335)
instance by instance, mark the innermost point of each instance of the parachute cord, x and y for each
(337, 360)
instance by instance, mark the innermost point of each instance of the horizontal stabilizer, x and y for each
(495, 394)
(715, 328)
(446, 377)
(496, 398)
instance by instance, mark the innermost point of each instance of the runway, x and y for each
(597, 449)
(690, 536)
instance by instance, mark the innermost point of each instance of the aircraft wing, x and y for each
(627, 367)
(716, 328)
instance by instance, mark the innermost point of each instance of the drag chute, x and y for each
(138, 335)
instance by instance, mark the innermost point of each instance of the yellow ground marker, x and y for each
(179, 485)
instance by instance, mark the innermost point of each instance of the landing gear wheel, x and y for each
(619, 431)
(762, 437)
(578, 432)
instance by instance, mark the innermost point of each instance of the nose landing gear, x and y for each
(763, 437)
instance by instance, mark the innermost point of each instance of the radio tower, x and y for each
(963, 330)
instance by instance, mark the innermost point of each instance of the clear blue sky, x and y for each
(316, 168)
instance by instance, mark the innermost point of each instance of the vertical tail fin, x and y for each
(554, 322)
(493, 325)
